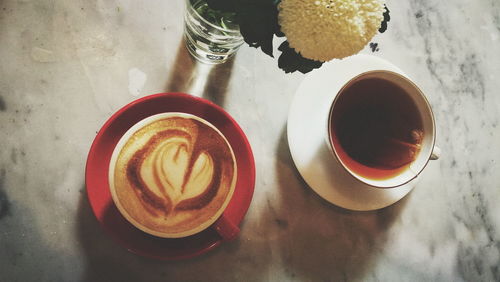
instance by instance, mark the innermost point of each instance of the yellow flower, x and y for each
(322, 30)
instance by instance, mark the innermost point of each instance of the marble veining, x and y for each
(3, 107)
(66, 66)
(467, 83)
(4, 200)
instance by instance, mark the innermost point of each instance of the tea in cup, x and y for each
(381, 129)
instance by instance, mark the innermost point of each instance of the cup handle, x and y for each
(226, 229)
(436, 153)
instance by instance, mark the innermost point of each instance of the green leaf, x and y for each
(387, 18)
(291, 61)
(258, 20)
(214, 16)
(224, 5)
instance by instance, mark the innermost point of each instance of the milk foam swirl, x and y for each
(174, 175)
(173, 172)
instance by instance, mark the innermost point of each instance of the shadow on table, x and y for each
(328, 243)
(203, 80)
(107, 260)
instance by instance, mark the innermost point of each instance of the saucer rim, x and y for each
(370, 63)
(98, 142)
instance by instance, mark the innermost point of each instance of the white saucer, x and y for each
(306, 132)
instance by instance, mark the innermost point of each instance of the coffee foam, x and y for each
(174, 176)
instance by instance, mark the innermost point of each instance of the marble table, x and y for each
(66, 66)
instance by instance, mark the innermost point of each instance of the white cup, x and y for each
(219, 222)
(428, 150)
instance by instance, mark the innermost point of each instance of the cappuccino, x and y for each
(172, 175)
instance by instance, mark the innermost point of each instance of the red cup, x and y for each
(96, 176)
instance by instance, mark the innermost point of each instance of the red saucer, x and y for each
(96, 175)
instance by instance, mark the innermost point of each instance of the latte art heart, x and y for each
(174, 174)
(170, 173)
(177, 173)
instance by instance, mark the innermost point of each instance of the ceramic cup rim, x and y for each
(114, 157)
(424, 156)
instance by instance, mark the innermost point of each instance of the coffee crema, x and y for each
(173, 177)
(376, 128)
